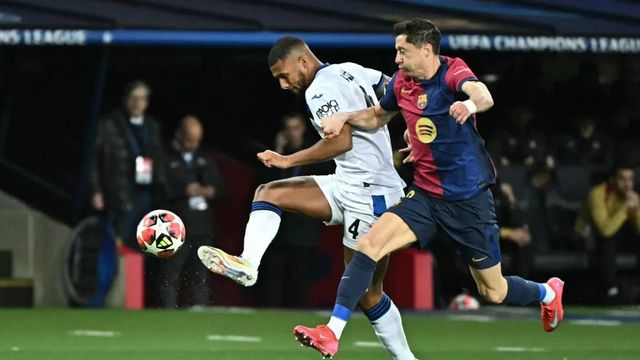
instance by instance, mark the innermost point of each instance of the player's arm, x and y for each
(325, 149)
(480, 100)
(367, 119)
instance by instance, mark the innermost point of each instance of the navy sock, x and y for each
(379, 309)
(521, 291)
(354, 283)
(265, 205)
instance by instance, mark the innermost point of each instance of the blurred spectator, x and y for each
(522, 144)
(586, 146)
(537, 194)
(193, 183)
(611, 215)
(285, 273)
(127, 177)
(514, 233)
(625, 137)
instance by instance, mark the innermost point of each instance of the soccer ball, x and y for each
(464, 302)
(160, 233)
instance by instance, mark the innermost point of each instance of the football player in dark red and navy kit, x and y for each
(438, 97)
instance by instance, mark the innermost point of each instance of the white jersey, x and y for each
(350, 87)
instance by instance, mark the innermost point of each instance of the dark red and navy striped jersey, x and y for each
(451, 161)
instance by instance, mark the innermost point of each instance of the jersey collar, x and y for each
(435, 76)
(320, 68)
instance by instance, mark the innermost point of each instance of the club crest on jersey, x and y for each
(422, 101)
(426, 130)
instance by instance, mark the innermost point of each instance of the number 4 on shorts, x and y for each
(353, 228)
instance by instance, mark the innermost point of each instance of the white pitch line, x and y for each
(95, 333)
(223, 310)
(518, 349)
(594, 322)
(234, 338)
(478, 318)
(369, 344)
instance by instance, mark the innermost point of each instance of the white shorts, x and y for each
(357, 212)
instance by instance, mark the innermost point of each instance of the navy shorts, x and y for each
(470, 223)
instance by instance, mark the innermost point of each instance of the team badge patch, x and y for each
(426, 130)
(422, 101)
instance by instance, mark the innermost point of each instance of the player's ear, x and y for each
(303, 62)
(427, 49)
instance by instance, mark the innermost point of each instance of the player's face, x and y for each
(290, 75)
(624, 180)
(410, 58)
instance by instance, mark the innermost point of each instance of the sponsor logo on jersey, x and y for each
(318, 96)
(426, 130)
(328, 109)
(422, 101)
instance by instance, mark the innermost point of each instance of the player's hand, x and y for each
(272, 159)
(332, 125)
(409, 158)
(460, 112)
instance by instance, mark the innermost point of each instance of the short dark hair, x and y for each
(419, 32)
(128, 89)
(283, 47)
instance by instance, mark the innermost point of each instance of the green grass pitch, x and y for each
(225, 335)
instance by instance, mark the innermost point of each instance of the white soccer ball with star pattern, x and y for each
(161, 233)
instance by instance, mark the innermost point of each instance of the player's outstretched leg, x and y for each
(299, 194)
(262, 227)
(514, 290)
(233, 267)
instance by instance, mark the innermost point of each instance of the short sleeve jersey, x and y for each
(451, 161)
(350, 87)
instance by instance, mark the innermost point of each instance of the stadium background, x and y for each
(64, 63)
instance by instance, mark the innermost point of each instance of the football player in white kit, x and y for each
(364, 185)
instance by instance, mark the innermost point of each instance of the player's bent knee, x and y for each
(267, 192)
(372, 246)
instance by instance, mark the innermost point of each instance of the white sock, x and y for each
(549, 296)
(390, 332)
(262, 227)
(337, 326)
